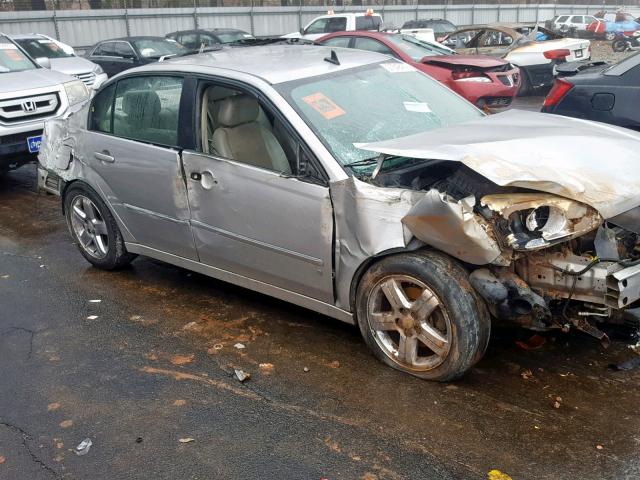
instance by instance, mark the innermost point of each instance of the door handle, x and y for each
(206, 179)
(104, 156)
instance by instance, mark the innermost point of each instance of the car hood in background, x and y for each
(590, 162)
(72, 65)
(31, 79)
(481, 61)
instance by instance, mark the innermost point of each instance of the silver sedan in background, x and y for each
(354, 185)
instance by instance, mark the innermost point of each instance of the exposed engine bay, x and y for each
(557, 262)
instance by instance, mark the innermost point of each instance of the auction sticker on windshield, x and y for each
(323, 105)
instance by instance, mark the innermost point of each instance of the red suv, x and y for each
(485, 81)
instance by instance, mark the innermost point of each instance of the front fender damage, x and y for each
(57, 152)
(372, 221)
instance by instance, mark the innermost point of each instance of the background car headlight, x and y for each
(98, 70)
(76, 92)
(529, 221)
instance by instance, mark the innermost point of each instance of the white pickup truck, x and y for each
(338, 22)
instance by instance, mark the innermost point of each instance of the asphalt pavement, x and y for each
(141, 361)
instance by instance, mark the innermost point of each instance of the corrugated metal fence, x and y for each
(81, 28)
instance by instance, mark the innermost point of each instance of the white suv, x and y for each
(565, 23)
(338, 22)
(29, 95)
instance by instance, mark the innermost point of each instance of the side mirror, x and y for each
(44, 62)
(301, 30)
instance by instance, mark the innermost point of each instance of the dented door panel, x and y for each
(259, 224)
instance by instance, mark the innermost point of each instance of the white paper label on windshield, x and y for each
(419, 107)
(8, 46)
(246, 35)
(44, 41)
(397, 67)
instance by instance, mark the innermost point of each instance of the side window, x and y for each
(317, 27)
(495, 38)
(336, 24)
(368, 22)
(208, 40)
(372, 45)
(101, 109)
(576, 19)
(107, 49)
(189, 40)
(124, 50)
(337, 42)
(562, 19)
(147, 109)
(240, 127)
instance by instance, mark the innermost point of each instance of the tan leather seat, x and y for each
(242, 137)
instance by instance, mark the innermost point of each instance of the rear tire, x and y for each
(419, 314)
(619, 45)
(94, 229)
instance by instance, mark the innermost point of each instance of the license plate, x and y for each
(33, 143)
(578, 53)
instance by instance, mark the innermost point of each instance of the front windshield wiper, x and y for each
(378, 161)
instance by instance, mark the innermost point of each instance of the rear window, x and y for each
(368, 22)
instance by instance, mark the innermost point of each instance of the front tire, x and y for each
(94, 229)
(419, 314)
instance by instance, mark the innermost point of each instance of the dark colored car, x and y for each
(485, 81)
(119, 54)
(441, 28)
(604, 93)
(194, 39)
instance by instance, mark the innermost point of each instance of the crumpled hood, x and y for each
(590, 162)
(481, 61)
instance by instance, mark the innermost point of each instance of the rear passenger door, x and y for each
(133, 148)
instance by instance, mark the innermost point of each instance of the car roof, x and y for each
(210, 30)
(26, 36)
(132, 39)
(273, 63)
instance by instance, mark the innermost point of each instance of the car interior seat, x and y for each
(241, 136)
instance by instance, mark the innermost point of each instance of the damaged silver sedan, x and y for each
(352, 184)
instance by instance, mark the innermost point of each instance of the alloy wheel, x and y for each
(409, 323)
(89, 227)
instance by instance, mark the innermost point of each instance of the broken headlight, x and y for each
(529, 221)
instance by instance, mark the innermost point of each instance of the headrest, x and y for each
(218, 93)
(140, 104)
(237, 110)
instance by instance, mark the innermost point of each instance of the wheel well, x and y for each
(369, 262)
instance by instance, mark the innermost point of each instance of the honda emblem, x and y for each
(28, 106)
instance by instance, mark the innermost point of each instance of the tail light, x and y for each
(557, 92)
(558, 54)
(469, 76)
